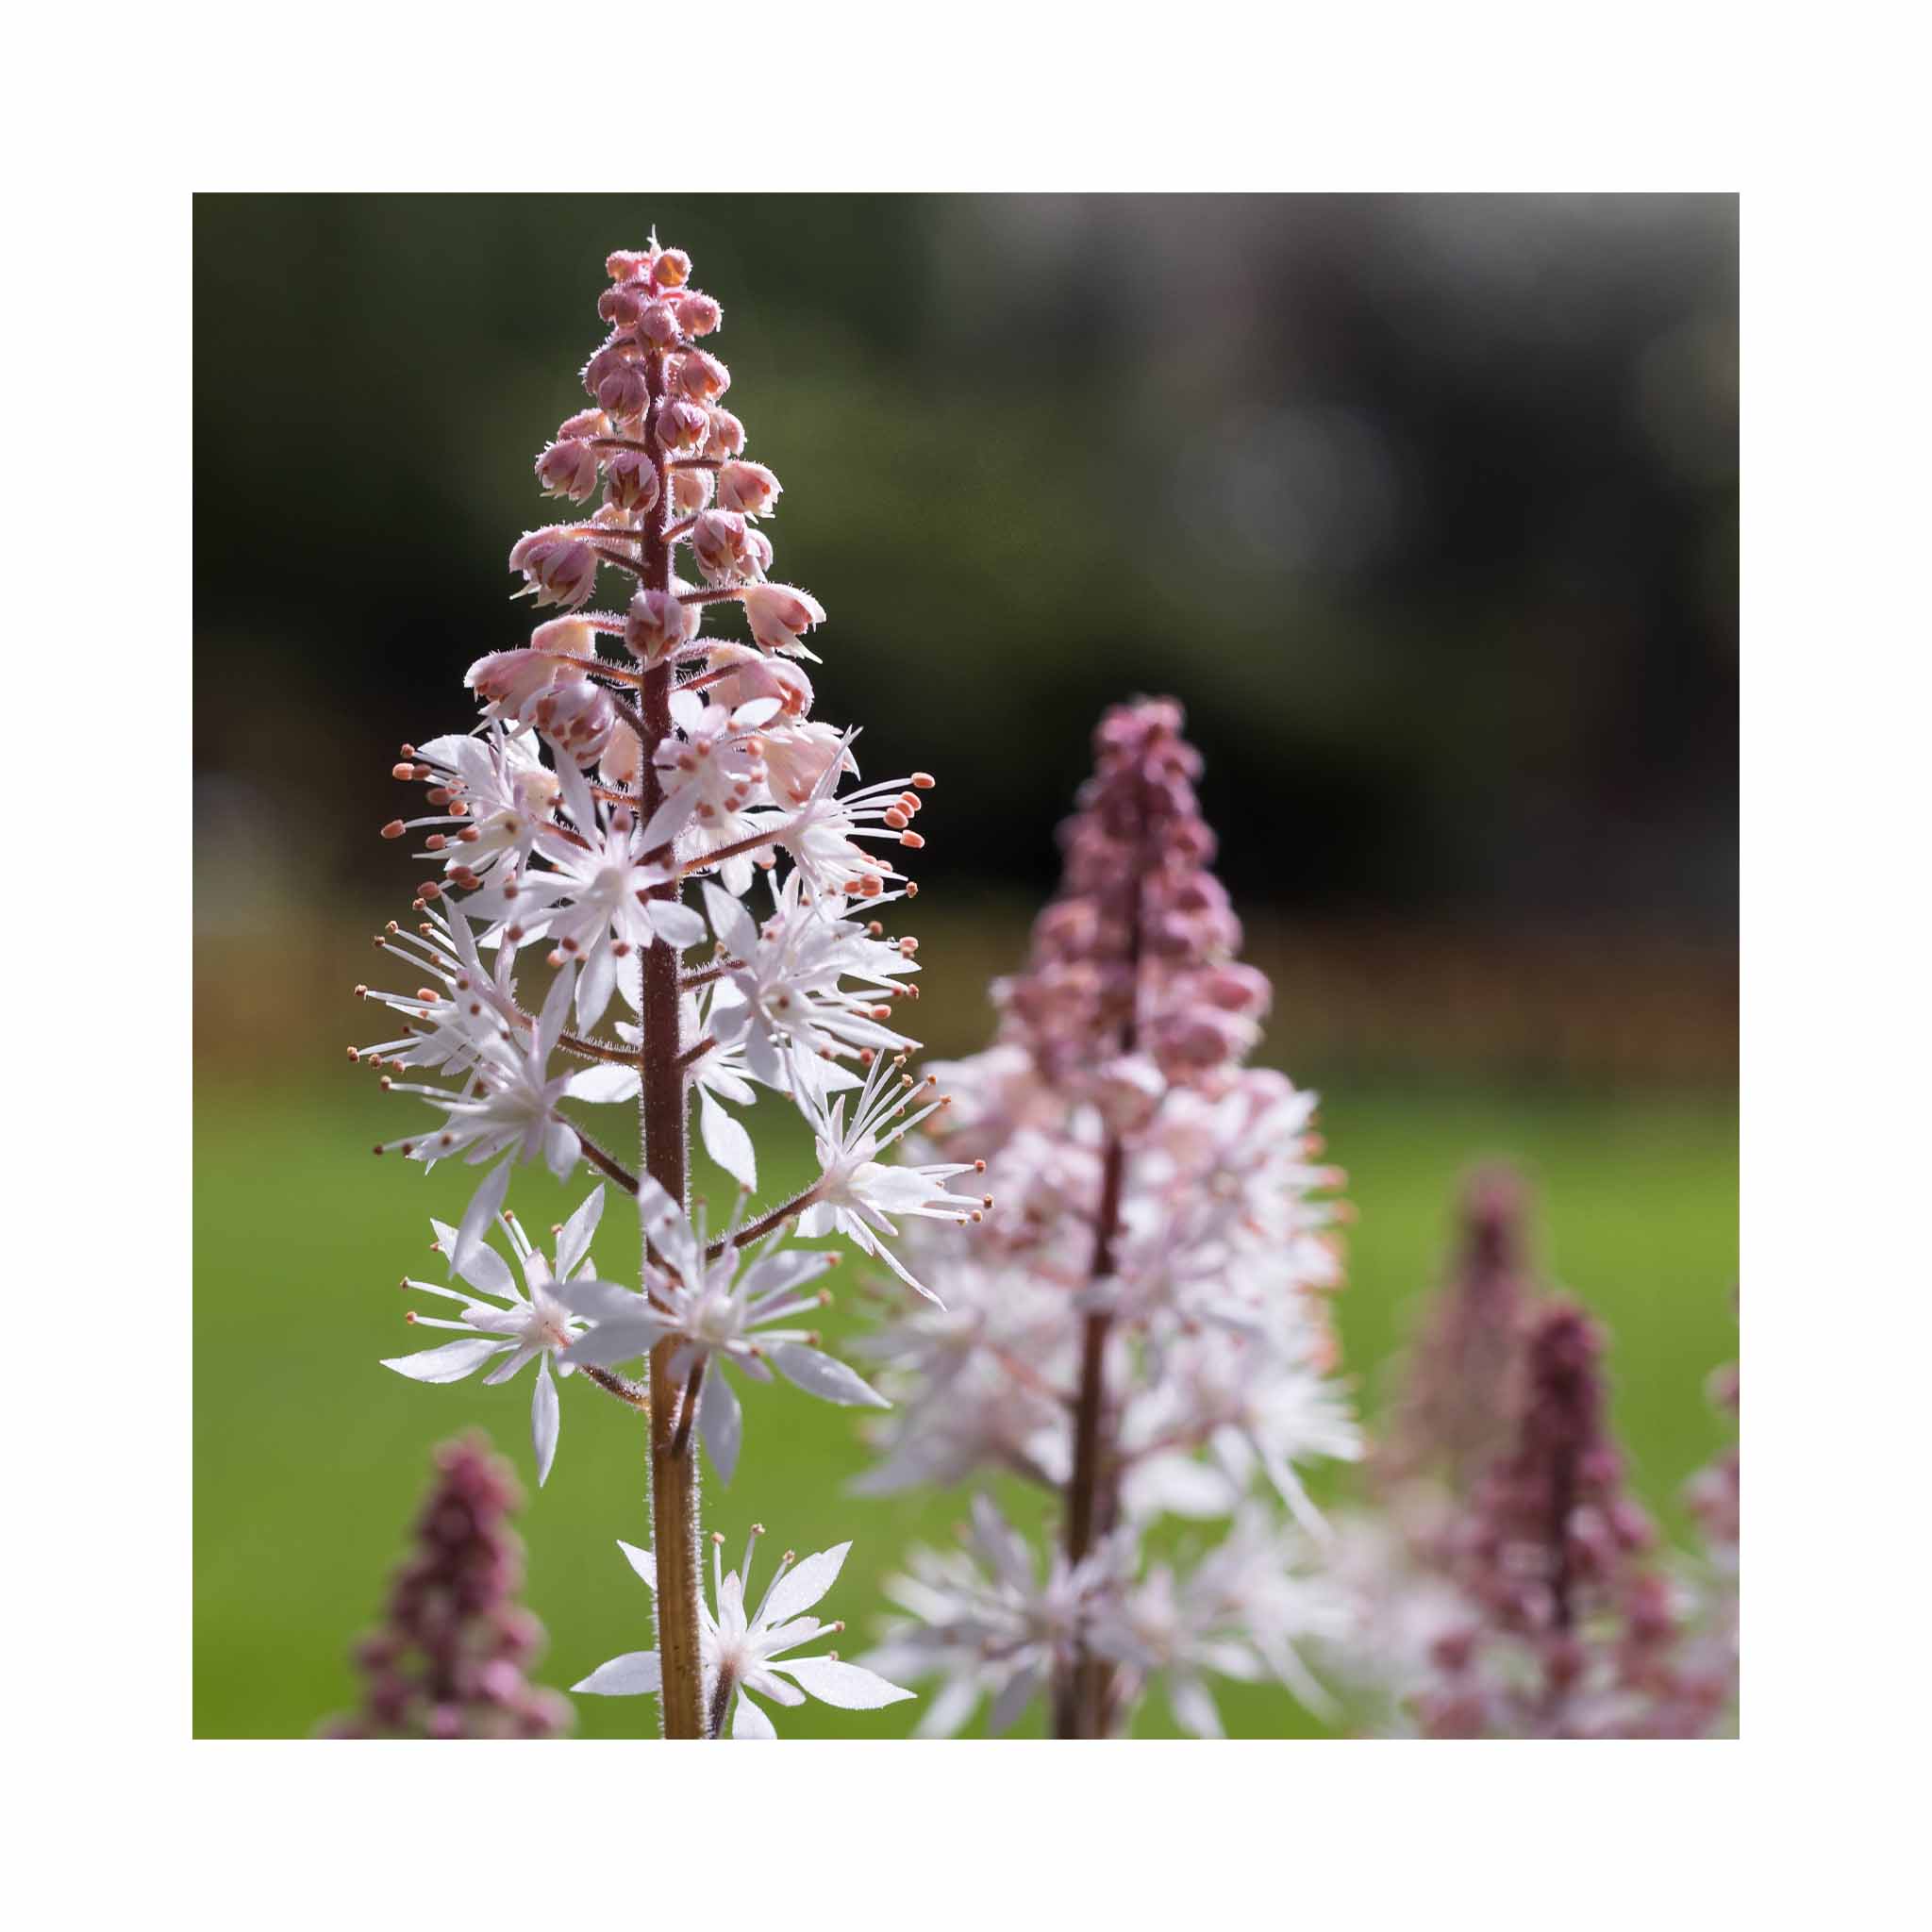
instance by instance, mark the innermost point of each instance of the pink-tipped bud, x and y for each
(570, 637)
(702, 377)
(681, 426)
(671, 269)
(560, 568)
(698, 314)
(631, 482)
(623, 757)
(726, 437)
(751, 674)
(512, 679)
(622, 389)
(690, 491)
(759, 545)
(718, 542)
(627, 264)
(622, 305)
(797, 757)
(568, 469)
(657, 325)
(779, 615)
(577, 718)
(656, 625)
(584, 424)
(748, 487)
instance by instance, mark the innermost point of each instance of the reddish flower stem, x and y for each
(664, 1127)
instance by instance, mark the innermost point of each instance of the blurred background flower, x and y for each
(1425, 507)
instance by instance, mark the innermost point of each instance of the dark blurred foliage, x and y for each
(1423, 506)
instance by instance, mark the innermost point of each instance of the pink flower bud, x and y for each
(751, 674)
(577, 717)
(681, 426)
(759, 545)
(585, 423)
(568, 469)
(623, 757)
(560, 568)
(748, 487)
(656, 625)
(631, 482)
(657, 325)
(573, 637)
(512, 679)
(690, 491)
(779, 615)
(797, 757)
(671, 269)
(702, 377)
(726, 437)
(622, 305)
(718, 542)
(624, 389)
(698, 314)
(627, 264)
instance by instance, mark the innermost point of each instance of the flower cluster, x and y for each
(1141, 1327)
(649, 822)
(450, 1658)
(1506, 1585)
(750, 1651)
(1573, 1630)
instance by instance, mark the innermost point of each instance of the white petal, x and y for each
(642, 1562)
(803, 1585)
(851, 1687)
(543, 1421)
(755, 711)
(720, 1423)
(677, 926)
(449, 1363)
(731, 922)
(1011, 1701)
(595, 984)
(1194, 1708)
(726, 1142)
(604, 1084)
(819, 1375)
(574, 1237)
(478, 1217)
(555, 1012)
(748, 1721)
(610, 1342)
(489, 1274)
(636, 1673)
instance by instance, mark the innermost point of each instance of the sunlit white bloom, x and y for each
(505, 1323)
(510, 1105)
(499, 793)
(854, 1193)
(720, 1303)
(748, 1651)
(784, 1000)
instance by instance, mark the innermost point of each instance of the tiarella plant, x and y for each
(1141, 1329)
(449, 1656)
(649, 810)
(1506, 1583)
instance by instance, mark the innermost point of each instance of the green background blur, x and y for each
(1425, 507)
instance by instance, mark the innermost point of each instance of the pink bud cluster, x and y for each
(1573, 1631)
(450, 1658)
(1140, 944)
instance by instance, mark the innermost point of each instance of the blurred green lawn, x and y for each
(309, 1457)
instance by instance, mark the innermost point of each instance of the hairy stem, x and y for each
(1083, 1694)
(666, 1129)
